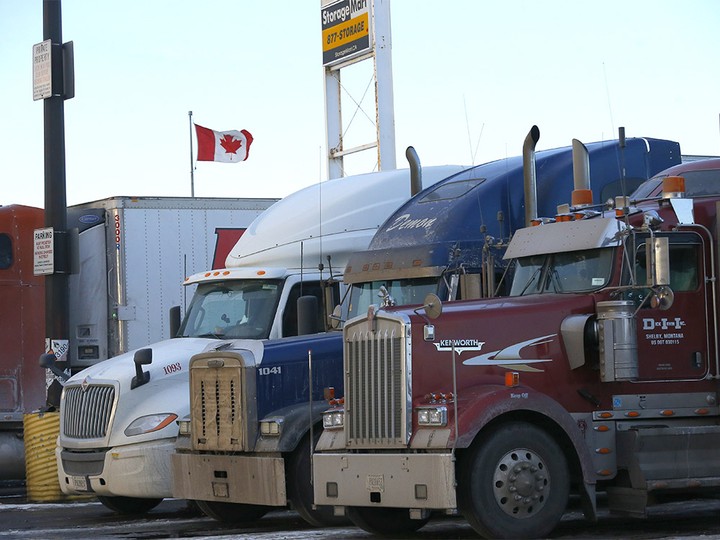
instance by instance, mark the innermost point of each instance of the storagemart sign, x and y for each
(345, 30)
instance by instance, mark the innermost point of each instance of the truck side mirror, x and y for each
(307, 315)
(432, 305)
(174, 321)
(336, 317)
(47, 361)
(142, 357)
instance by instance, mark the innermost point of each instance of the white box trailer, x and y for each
(134, 254)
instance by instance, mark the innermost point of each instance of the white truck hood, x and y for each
(167, 391)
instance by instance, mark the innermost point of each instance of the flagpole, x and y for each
(192, 174)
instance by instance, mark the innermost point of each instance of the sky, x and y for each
(469, 79)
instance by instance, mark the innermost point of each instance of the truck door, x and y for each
(289, 317)
(674, 343)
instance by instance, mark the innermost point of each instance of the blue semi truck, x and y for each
(255, 411)
(449, 238)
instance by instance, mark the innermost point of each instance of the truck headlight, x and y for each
(271, 428)
(333, 419)
(432, 416)
(149, 423)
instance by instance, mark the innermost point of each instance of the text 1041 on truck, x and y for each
(598, 373)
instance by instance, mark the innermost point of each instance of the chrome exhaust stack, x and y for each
(582, 194)
(415, 171)
(530, 175)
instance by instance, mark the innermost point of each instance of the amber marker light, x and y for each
(260, 272)
(673, 186)
(581, 197)
(512, 378)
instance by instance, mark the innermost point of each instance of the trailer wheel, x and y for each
(129, 505)
(300, 489)
(385, 521)
(514, 483)
(232, 512)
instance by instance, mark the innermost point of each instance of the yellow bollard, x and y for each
(41, 432)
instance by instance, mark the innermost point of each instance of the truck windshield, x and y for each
(232, 309)
(403, 291)
(574, 271)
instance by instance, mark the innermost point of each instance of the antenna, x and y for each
(320, 220)
(473, 153)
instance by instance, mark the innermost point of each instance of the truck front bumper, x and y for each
(232, 479)
(136, 470)
(390, 480)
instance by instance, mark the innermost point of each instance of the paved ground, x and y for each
(696, 519)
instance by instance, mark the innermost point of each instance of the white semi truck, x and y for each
(130, 257)
(119, 418)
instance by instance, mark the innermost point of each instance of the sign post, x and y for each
(355, 31)
(53, 82)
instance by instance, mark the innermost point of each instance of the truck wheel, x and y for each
(300, 489)
(129, 505)
(385, 521)
(232, 512)
(514, 483)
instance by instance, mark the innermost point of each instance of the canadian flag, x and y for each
(226, 146)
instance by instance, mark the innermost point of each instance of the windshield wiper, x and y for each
(555, 279)
(531, 280)
(210, 335)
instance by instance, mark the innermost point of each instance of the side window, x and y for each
(289, 320)
(6, 254)
(683, 266)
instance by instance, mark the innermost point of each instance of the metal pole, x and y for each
(56, 284)
(384, 101)
(192, 173)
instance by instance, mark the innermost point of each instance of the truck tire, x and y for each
(300, 489)
(514, 483)
(385, 521)
(129, 505)
(232, 512)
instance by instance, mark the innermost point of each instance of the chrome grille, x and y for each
(216, 386)
(376, 386)
(86, 411)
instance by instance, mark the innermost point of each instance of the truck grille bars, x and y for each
(87, 412)
(216, 404)
(377, 385)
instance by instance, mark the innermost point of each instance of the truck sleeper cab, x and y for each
(590, 376)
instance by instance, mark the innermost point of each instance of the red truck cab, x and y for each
(22, 329)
